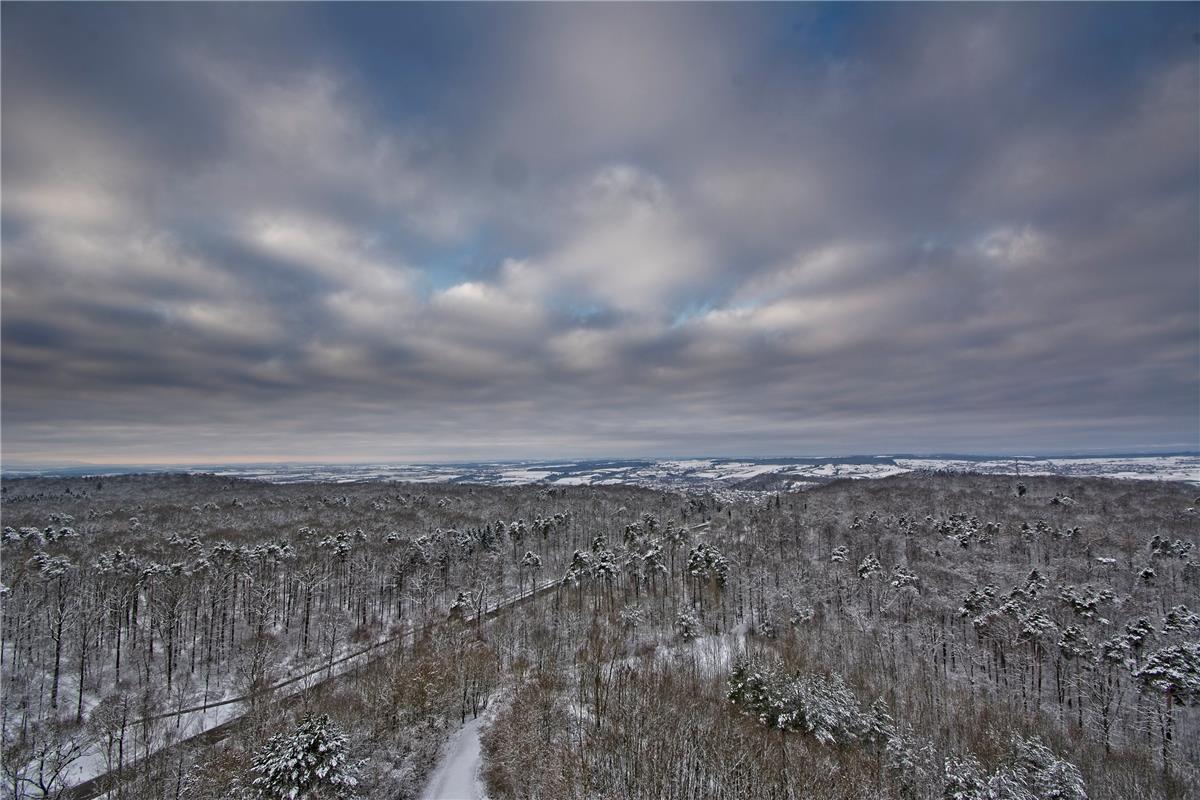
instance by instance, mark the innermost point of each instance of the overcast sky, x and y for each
(419, 232)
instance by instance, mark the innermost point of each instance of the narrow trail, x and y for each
(457, 774)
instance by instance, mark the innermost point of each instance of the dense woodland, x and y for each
(922, 636)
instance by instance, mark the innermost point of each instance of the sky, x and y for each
(372, 232)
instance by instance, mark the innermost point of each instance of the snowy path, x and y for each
(457, 773)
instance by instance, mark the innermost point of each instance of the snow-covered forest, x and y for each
(919, 636)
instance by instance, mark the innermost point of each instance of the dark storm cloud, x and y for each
(406, 231)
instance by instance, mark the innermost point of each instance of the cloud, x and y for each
(627, 245)
(597, 230)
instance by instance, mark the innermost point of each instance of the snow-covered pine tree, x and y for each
(869, 567)
(910, 760)
(963, 778)
(311, 762)
(532, 562)
(1180, 619)
(903, 578)
(1031, 772)
(1043, 774)
(461, 605)
(823, 707)
(1173, 672)
(687, 625)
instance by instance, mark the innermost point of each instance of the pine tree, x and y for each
(910, 760)
(461, 605)
(1180, 619)
(311, 762)
(869, 567)
(1173, 671)
(1043, 774)
(687, 625)
(824, 708)
(963, 778)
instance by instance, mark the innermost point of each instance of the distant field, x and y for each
(700, 473)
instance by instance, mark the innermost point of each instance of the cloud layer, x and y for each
(374, 232)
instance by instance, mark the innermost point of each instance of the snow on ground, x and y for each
(738, 471)
(687, 463)
(836, 470)
(698, 473)
(457, 774)
(93, 763)
(1160, 468)
(524, 475)
(713, 654)
(574, 480)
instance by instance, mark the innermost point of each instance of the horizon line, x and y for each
(1152, 451)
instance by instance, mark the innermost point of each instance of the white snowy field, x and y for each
(694, 473)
